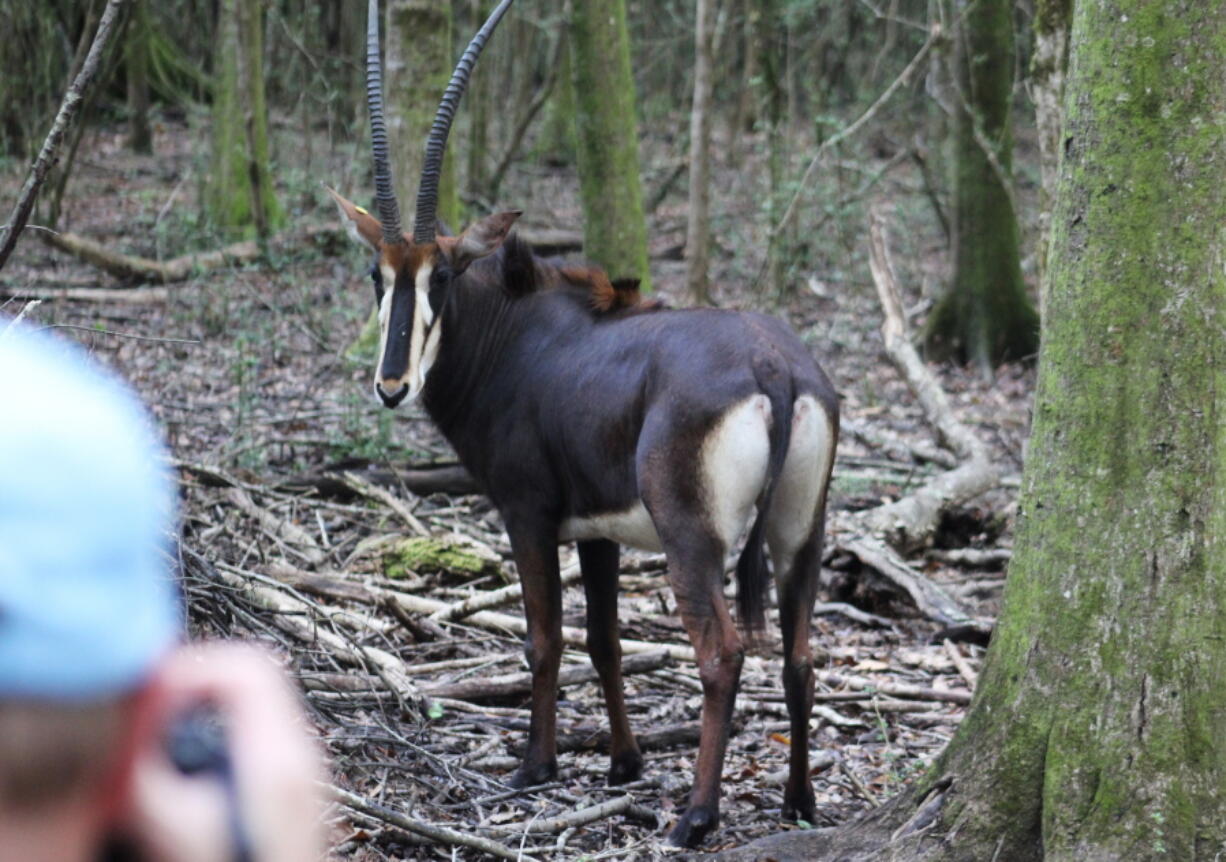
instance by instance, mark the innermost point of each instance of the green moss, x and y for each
(426, 554)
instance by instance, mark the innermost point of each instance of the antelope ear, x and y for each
(479, 239)
(359, 224)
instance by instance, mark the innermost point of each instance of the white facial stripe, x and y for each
(427, 359)
(422, 286)
(385, 314)
(422, 315)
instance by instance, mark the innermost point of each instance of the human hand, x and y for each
(274, 764)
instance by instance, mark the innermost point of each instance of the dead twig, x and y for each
(374, 492)
(438, 834)
(960, 662)
(518, 684)
(575, 819)
(496, 598)
(906, 692)
(278, 527)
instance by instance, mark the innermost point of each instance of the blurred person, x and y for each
(117, 742)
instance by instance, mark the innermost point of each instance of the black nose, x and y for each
(395, 398)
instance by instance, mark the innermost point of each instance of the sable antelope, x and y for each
(586, 420)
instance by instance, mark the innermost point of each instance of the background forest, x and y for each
(835, 162)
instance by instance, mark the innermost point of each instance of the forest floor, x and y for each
(297, 515)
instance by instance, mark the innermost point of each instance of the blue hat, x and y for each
(86, 601)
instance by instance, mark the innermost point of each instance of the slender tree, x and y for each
(419, 59)
(768, 42)
(1096, 730)
(698, 230)
(614, 230)
(240, 193)
(985, 317)
(140, 135)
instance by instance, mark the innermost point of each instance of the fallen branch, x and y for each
(295, 616)
(910, 520)
(496, 598)
(905, 692)
(575, 819)
(518, 684)
(374, 492)
(439, 834)
(929, 599)
(412, 604)
(960, 662)
(134, 269)
(423, 480)
(599, 740)
(131, 295)
(853, 613)
(279, 528)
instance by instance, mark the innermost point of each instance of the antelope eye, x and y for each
(376, 278)
(439, 279)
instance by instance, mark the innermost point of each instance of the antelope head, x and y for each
(413, 274)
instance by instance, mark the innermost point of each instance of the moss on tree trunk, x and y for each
(614, 231)
(986, 317)
(240, 196)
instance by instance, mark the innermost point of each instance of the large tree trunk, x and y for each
(614, 230)
(418, 64)
(1048, 67)
(240, 195)
(1097, 728)
(986, 317)
(698, 230)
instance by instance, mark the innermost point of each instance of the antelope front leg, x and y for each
(599, 561)
(536, 556)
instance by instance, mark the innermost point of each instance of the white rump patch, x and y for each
(733, 465)
(799, 491)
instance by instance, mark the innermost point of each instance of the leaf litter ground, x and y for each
(284, 542)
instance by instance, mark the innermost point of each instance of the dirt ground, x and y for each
(294, 514)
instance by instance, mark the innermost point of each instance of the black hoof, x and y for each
(800, 806)
(626, 767)
(693, 826)
(530, 775)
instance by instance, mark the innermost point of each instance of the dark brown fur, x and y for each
(566, 396)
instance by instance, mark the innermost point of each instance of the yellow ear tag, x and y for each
(360, 209)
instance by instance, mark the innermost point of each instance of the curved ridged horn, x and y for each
(389, 210)
(436, 145)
